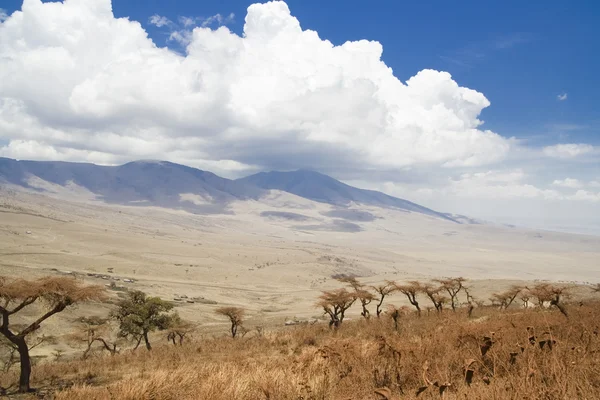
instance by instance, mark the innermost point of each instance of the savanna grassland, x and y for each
(535, 353)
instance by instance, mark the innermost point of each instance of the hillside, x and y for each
(322, 188)
(170, 185)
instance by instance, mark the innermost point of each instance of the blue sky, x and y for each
(88, 86)
(520, 54)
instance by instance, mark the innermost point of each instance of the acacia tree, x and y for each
(138, 315)
(178, 330)
(53, 295)
(411, 290)
(506, 298)
(453, 286)
(383, 290)
(545, 292)
(525, 297)
(96, 330)
(434, 294)
(235, 315)
(335, 303)
(362, 294)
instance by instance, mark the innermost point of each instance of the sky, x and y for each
(487, 109)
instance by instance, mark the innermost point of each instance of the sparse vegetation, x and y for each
(531, 353)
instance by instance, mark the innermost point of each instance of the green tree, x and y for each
(138, 315)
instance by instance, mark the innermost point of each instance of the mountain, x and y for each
(166, 184)
(322, 188)
(158, 183)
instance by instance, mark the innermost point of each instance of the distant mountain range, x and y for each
(166, 184)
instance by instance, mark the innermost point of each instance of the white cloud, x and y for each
(76, 78)
(562, 97)
(218, 19)
(3, 15)
(584, 195)
(594, 184)
(497, 184)
(570, 150)
(160, 21)
(568, 183)
(187, 21)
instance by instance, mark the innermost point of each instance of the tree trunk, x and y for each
(148, 346)
(25, 361)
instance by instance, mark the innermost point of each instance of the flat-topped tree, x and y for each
(53, 295)
(335, 303)
(178, 330)
(383, 290)
(236, 317)
(506, 298)
(139, 314)
(434, 293)
(411, 290)
(452, 286)
(362, 294)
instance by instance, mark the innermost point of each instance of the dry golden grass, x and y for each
(436, 354)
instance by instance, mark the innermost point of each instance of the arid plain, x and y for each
(272, 257)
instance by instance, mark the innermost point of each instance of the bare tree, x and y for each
(362, 294)
(335, 303)
(54, 294)
(452, 286)
(411, 290)
(383, 290)
(96, 330)
(235, 315)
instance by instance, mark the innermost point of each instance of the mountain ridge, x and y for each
(164, 183)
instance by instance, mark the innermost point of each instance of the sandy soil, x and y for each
(274, 264)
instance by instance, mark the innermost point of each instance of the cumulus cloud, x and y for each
(571, 150)
(3, 15)
(568, 183)
(562, 97)
(76, 80)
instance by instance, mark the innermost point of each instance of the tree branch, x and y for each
(25, 303)
(36, 324)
